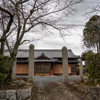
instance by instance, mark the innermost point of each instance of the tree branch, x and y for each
(6, 11)
(24, 41)
(31, 11)
(10, 32)
(7, 44)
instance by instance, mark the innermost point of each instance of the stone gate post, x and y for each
(80, 69)
(65, 64)
(31, 63)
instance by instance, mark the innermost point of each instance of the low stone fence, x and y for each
(93, 93)
(15, 94)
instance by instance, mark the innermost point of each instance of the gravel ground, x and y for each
(55, 78)
(55, 91)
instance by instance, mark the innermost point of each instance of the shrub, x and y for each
(4, 69)
(77, 70)
(93, 70)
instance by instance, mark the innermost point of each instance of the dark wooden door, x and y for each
(73, 69)
(42, 69)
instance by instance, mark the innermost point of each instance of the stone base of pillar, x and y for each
(65, 79)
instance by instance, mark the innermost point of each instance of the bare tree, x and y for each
(6, 19)
(93, 10)
(31, 13)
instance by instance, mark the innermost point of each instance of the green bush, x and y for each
(77, 70)
(84, 70)
(93, 70)
(4, 69)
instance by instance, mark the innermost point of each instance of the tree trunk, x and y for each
(12, 60)
(99, 48)
(2, 48)
(10, 65)
(2, 40)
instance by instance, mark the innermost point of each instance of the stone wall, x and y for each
(15, 94)
(93, 93)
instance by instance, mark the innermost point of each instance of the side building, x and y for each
(47, 62)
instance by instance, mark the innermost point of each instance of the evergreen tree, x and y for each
(91, 33)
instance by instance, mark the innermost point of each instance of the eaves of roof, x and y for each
(53, 60)
(48, 52)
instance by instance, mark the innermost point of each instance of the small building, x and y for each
(47, 62)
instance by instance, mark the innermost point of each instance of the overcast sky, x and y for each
(74, 40)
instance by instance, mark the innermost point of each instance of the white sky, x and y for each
(74, 40)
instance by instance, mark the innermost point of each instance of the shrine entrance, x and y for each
(42, 69)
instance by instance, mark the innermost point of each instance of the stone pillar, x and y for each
(86, 64)
(31, 63)
(65, 64)
(80, 70)
(14, 70)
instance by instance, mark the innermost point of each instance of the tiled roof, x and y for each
(49, 53)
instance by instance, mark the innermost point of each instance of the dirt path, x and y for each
(55, 91)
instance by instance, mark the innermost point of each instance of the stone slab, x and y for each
(13, 97)
(24, 94)
(3, 94)
(11, 94)
(95, 90)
